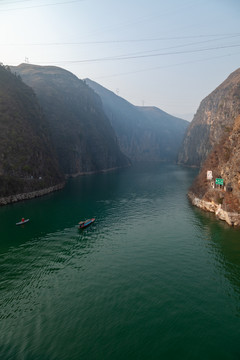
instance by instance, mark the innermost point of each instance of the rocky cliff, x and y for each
(27, 159)
(214, 118)
(163, 132)
(224, 162)
(81, 133)
(144, 133)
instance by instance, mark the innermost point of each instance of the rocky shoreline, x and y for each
(231, 218)
(31, 195)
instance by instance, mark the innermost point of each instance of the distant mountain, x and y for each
(214, 118)
(28, 161)
(144, 133)
(165, 131)
(81, 133)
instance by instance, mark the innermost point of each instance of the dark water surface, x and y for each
(152, 278)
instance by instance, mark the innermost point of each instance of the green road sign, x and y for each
(219, 181)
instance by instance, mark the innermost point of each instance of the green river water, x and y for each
(152, 278)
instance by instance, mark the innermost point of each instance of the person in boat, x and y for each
(23, 220)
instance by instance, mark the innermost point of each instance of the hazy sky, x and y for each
(170, 54)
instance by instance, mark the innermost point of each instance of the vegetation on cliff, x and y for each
(214, 118)
(27, 158)
(224, 162)
(212, 142)
(53, 124)
(81, 133)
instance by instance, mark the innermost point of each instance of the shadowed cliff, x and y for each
(81, 133)
(144, 133)
(27, 158)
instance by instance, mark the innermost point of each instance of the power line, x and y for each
(179, 46)
(37, 6)
(128, 57)
(220, 37)
(166, 66)
(14, 2)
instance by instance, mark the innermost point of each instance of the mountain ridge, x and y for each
(28, 161)
(214, 116)
(137, 139)
(82, 135)
(217, 186)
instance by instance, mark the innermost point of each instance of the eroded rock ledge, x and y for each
(231, 218)
(27, 196)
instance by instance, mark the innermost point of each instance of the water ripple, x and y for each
(153, 277)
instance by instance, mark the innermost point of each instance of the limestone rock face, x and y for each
(144, 133)
(224, 162)
(214, 118)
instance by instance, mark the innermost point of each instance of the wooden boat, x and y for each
(86, 223)
(23, 221)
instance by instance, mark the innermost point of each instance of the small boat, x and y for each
(23, 221)
(86, 223)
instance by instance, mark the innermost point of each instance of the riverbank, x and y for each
(231, 218)
(33, 194)
(30, 195)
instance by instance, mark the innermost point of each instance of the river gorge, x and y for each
(154, 277)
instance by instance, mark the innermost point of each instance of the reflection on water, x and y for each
(223, 242)
(152, 278)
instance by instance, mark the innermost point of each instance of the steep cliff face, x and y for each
(214, 118)
(81, 133)
(224, 162)
(27, 159)
(144, 133)
(163, 133)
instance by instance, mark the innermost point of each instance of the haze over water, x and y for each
(152, 278)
